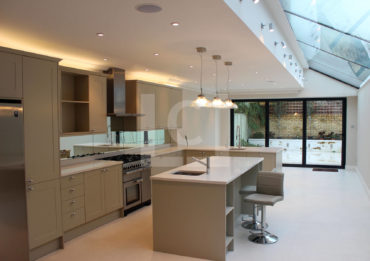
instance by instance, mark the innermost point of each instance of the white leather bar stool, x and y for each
(270, 190)
(251, 224)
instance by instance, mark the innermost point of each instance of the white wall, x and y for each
(363, 148)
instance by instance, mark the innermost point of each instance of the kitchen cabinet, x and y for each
(10, 75)
(83, 102)
(40, 119)
(159, 105)
(97, 104)
(168, 108)
(103, 191)
(44, 212)
(113, 195)
(73, 203)
(94, 194)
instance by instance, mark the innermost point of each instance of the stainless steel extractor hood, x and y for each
(116, 94)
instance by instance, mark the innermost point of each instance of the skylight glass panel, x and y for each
(337, 28)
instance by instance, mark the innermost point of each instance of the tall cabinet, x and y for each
(40, 101)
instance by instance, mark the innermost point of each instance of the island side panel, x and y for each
(189, 219)
(248, 178)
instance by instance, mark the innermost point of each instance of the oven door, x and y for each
(133, 193)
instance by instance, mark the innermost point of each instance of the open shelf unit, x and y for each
(74, 102)
(229, 213)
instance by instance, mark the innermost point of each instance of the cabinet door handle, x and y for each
(30, 188)
(73, 214)
(72, 190)
(71, 177)
(29, 180)
(73, 202)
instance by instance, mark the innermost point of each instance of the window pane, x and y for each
(340, 42)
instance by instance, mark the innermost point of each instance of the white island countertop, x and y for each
(223, 170)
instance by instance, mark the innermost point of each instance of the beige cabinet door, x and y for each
(94, 194)
(44, 212)
(175, 108)
(98, 103)
(162, 107)
(113, 195)
(146, 95)
(40, 119)
(168, 108)
(10, 75)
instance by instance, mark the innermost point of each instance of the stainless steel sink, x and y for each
(236, 148)
(189, 172)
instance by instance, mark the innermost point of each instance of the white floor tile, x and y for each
(325, 216)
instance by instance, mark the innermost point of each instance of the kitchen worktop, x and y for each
(87, 166)
(163, 151)
(223, 170)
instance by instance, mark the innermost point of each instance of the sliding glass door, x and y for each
(324, 132)
(249, 124)
(285, 129)
(311, 132)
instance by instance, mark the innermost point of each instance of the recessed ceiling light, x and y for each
(175, 24)
(100, 34)
(271, 27)
(105, 59)
(256, 72)
(148, 8)
(146, 69)
(156, 54)
(256, 1)
(191, 67)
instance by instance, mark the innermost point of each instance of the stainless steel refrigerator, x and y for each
(13, 203)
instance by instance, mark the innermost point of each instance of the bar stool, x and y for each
(270, 190)
(251, 224)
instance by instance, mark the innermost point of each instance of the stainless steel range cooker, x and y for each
(136, 180)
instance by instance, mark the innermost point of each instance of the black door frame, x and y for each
(304, 127)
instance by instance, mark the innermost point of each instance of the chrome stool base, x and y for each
(253, 225)
(263, 238)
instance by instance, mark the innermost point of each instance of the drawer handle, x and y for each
(30, 188)
(29, 180)
(73, 202)
(104, 170)
(73, 214)
(71, 177)
(72, 190)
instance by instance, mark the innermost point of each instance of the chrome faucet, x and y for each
(205, 164)
(238, 136)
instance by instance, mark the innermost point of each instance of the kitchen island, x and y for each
(194, 215)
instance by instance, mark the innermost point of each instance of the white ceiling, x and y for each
(67, 29)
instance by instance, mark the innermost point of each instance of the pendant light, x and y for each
(228, 103)
(201, 100)
(217, 102)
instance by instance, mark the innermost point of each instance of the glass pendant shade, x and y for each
(200, 101)
(217, 103)
(230, 105)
